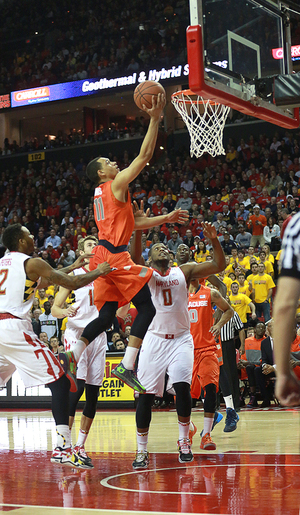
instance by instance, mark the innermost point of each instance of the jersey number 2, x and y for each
(98, 203)
(167, 297)
(3, 272)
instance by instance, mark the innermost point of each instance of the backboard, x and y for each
(237, 48)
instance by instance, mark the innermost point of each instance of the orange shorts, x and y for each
(206, 370)
(122, 284)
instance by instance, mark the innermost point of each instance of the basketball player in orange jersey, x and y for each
(206, 368)
(116, 222)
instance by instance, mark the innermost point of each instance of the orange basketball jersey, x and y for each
(114, 219)
(201, 318)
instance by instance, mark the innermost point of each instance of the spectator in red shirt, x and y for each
(53, 210)
(256, 224)
(157, 208)
(218, 204)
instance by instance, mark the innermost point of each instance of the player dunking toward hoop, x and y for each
(115, 221)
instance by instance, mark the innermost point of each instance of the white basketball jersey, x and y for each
(84, 300)
(16, 290)
(170, 298)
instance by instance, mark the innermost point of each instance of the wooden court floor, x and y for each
(255, 469)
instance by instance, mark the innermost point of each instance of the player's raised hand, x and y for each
(138, 212)
(209, 231)
(179, 216)
(158, 104)
(104, 268)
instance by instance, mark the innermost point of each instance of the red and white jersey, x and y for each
(170, 298)
(16, 290)
(84, 300)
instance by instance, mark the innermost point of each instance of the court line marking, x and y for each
(98, 510)
(104, 482)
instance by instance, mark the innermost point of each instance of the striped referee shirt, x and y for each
(227, 331)
(290, 257)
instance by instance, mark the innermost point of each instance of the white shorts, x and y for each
(91, 364)
(20, 349)
(159, 356)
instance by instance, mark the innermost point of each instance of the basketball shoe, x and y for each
(207, 444)
(128, 377)
(69, 365)
(192, 432)
(185, 452)
(141, 460)
(66, 457)
(80, 453)
(231, 420)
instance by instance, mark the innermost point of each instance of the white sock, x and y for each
(142, 441)
(130, 357)
(63, 436)
(184, 428)
(78, 349)
(229, 402)
(82, 436)
(208, 423)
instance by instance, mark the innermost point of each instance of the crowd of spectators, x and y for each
(68, 41)
(249, 195)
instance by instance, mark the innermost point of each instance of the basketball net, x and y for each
(205, 121)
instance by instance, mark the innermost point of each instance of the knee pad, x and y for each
(143, 410)
(75, 396)
(91, 393)
(183, 399)
(210, 401)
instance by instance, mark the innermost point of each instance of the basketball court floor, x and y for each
(255, 470)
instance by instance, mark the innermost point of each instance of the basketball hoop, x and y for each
(205, 121)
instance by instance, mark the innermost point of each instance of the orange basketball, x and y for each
(145, 90)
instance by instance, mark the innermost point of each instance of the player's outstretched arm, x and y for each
(36, 267)
(179, 216)
(207, 268)
(126, 176)
(57, 310)
(287, 387)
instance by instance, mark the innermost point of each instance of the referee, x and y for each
(287, 388)
(229, 354)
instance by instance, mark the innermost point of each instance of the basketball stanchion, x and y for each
(205, 121)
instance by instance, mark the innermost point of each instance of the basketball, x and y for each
(144, 91)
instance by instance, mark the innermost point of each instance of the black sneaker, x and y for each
(69, 365)
(128, 377)
(231, 421)
(185, 452)
(141, 460)
(82, 456)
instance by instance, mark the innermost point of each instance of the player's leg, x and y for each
(208, 371)
(143, 419)
(232, 417)
(152, 365)
(181, 357)
(104, 321)
(88, 415)
(184, 409)
(90, 373)
(146, 312)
